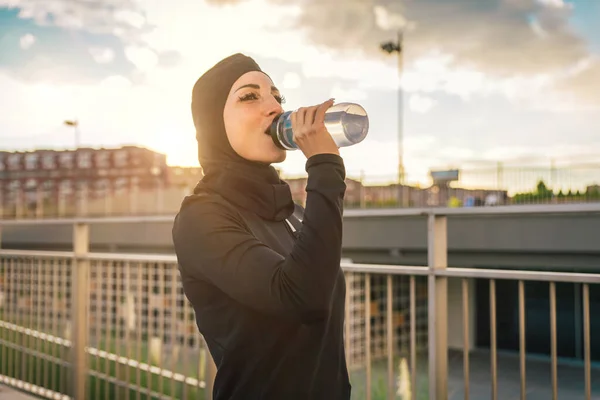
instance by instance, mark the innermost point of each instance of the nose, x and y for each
(273, 107)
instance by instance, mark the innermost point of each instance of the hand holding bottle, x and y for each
(346, 123)
(310, 133)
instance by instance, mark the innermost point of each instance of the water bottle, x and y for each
(347, 123)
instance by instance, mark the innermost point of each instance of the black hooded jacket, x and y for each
(262, 274)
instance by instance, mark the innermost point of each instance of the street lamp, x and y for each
(75, 124)
(397, 47)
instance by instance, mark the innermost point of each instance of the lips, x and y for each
(268, 129)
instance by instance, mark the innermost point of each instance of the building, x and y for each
(298, 188)
(184, 177)
(52, 177)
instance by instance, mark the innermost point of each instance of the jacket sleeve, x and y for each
(212, 243)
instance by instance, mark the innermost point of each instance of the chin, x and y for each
(281, 156)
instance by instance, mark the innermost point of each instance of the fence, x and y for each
(502, 185)
(85, 325)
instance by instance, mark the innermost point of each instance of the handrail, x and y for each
(450, 272)
(534, 209)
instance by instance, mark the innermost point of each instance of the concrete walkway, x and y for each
(7, 393)
(538, 378)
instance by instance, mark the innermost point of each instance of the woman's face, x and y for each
(251, 106)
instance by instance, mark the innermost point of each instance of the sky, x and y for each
(482, 81)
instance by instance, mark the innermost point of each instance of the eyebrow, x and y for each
(255, 86)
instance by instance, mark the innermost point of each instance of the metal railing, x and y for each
(86, 325)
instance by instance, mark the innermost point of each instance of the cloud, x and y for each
(350, 94)
(421, 104)
(486, 41)
(585, 81)
(291, 80)
(99, 21)
(169, 58)
(489, 35)
(143, 58)
(123, 18)
(27, 41)
(102, 55)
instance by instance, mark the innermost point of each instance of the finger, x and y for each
(320, 114)
(301, 116)
(310, 116)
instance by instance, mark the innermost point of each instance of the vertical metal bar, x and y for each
(161, 322)
(522, 349)
(149, 326)
(437, 254)
(4, 267)
(80, 287)
(466, 327)
(349, 291)
(586, 341)
(28, 269)
(45, 287)
(553, 340)
(39, 325)
(173, 328)
(368, 335)
(186, 325)
(21, 317)
(139, 316)
(577, 320)
(108, 336)
(494, 355)
(11, 336)
(99, 336)
(12, 312)
(413, 336)
(54, 322)
(390, 338)
(126, 326)
(118, 269)
(66, 380)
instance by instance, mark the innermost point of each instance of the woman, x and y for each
(262, 274)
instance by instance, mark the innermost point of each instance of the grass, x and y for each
(27, 364)
(39, 362)
(379, 383)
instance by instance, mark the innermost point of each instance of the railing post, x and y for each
(437, 255)
(80, 277)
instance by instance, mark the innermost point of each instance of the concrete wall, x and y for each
(559, 241)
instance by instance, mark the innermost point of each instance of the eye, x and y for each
(249, 96)
(280, 98)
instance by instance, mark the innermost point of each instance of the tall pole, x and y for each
(397, 47)
(400, 112)
(393, 47)
(75, 124)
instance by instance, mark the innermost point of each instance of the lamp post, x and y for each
(396, 47)
(75, 124)
(390, 48)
